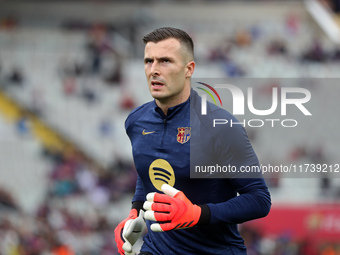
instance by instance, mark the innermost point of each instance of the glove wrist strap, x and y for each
(138, 205)
(205, 215)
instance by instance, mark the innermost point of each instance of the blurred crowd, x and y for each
(274, 46)
(54, 228)
(258, 244)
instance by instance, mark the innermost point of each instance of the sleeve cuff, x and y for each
(205, 215)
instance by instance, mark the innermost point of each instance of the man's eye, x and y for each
(166, 61)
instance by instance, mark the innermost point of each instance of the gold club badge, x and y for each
(183, 134)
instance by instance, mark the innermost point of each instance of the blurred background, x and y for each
(71, 72)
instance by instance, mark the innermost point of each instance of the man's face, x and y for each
(168, 71)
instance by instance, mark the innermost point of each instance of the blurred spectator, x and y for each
(243, 38)
(221, 52)
(63, 176)
(99, 196)
(89, 90)
(336, 55)
(7, 200)
(16, 77)
(105, 127)
(325, 185)
(86, 179)
(297, 153)
(62, 250)
(69, 85)
(79, 69)
(277, 47)
(114, 78)
(257, 244)
(309, 246)
(232, 69)
(38, 105)
(70, 68)
(335, 4)
(127, 102)
(255, 32)
(273, 179)
(98, 44)
(23, 125)
(252, 240)
(9, 239)
(315, 53)
(89, 95)
(52, 154)
(292, 24)
(329, 250)
(8, 23)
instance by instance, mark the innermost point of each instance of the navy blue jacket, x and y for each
(161, 151)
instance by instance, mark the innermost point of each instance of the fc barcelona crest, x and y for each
(184, 134)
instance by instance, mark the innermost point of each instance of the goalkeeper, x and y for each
(184, 215)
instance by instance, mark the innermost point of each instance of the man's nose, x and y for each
(155, 69)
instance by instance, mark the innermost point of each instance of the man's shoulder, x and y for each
(212, 110)
(213, 119)
(217, 111)
(137, 113)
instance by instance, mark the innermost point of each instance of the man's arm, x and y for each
(128, 231)
(173, 210)
(139, 196)
(253, 202)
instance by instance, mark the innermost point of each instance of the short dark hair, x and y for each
(163, 33)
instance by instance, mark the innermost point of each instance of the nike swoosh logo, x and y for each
(147, 133)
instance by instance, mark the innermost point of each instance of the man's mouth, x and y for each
(156, 84)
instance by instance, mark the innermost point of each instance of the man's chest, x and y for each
(161, 151)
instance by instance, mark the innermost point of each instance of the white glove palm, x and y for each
(132, 231)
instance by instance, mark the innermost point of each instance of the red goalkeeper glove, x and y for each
(128, 231)
(172, 210)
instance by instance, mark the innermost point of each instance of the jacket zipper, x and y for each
(165, 129)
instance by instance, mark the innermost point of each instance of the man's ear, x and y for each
(190, 67)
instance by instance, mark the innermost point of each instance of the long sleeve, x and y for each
(232, 147)
(253, 202)
(139, 192)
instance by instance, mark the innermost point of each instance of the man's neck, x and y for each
(165, 105)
